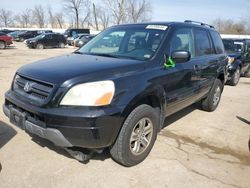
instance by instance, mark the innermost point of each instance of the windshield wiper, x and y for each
(77, 52)
(104, 55)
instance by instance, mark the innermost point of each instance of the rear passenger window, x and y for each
(218, 44)
(182, 40)
(202, 43)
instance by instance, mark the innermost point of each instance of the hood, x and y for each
(236, 55)
(79, 67)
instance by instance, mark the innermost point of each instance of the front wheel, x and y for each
(2, 45)
(211, 102)
(40, 46)
(136, 137)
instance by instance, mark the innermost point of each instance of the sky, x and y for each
(163, 10)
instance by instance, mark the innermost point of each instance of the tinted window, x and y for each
(202, 43)
(248, 45)
(182, 40)
(218, 44)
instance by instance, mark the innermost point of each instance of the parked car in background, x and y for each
(5, 40)
(6, 31)
(238, 51)
(47, 40)
(14, 34)
(25, 35)
(115, 92)
(70, 40)
(82, 40)
(72, 32)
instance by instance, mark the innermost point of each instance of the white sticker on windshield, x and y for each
(158, 27)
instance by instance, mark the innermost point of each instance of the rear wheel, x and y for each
(211, 102)
(40, 46)
(136, 137)
(235, 78)
(2, 45)
(247, 73)
(61, 45)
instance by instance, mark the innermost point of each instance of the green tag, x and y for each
(170, 63)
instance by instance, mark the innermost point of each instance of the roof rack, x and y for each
(199, 23)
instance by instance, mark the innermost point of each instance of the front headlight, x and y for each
(230, 59)
(90, 94)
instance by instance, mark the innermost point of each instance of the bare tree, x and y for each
(117, 9)
(138, 10)
(103, 17)
(24, 19)
(77, 7)
(59, 20)
(51, 17)
(6, 17)
(39, 16)
(95, 17)
(230, 26)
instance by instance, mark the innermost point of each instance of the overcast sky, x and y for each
(163, 10)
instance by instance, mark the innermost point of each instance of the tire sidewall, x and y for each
(39, 46)
(3, 45)
(217, 83)
(234, 81)
(129, 126)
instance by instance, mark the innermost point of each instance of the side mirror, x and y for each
(181, 56)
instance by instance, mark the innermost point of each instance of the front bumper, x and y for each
(66, 127)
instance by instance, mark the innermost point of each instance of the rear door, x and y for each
(247, 55)
(205, 60)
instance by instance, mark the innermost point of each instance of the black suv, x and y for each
(48, 40)
(238, 51)
(116, 90)
(26, 35)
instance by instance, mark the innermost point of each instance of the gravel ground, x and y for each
(195, 149)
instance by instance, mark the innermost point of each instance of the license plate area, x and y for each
(17, 117)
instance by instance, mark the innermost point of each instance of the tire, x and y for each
(235, 78)
(211, 102)
(247, 73)
(130, 150)
(39, 46)
(21, 39)
(2, 45)
(61, 45)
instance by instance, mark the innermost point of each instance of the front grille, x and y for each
(32, 89)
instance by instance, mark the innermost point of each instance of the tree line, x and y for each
(79, 14)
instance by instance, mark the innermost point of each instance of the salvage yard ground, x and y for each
(195, 149)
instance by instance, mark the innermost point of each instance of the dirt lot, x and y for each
(195, 149)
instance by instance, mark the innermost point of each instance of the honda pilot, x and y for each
(115, 92)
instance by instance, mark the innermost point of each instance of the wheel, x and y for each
(136, 137)
(21, 39)
(235, 78)
(211, 102)
(2, 45)
(40, 46)
(61, 45)
(247, 73)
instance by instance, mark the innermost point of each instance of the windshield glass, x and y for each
(233, 45)
(40, 36)
(138, 42)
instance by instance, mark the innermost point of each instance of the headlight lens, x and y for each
(90, 94)
(230, 59)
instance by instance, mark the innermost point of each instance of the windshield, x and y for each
(137, 42)
(40, 36)
(233, 45)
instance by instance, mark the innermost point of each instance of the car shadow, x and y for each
(178, 115)
(45, 143)
(6, 133)
(248, 123)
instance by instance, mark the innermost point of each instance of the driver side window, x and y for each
(182, 39)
